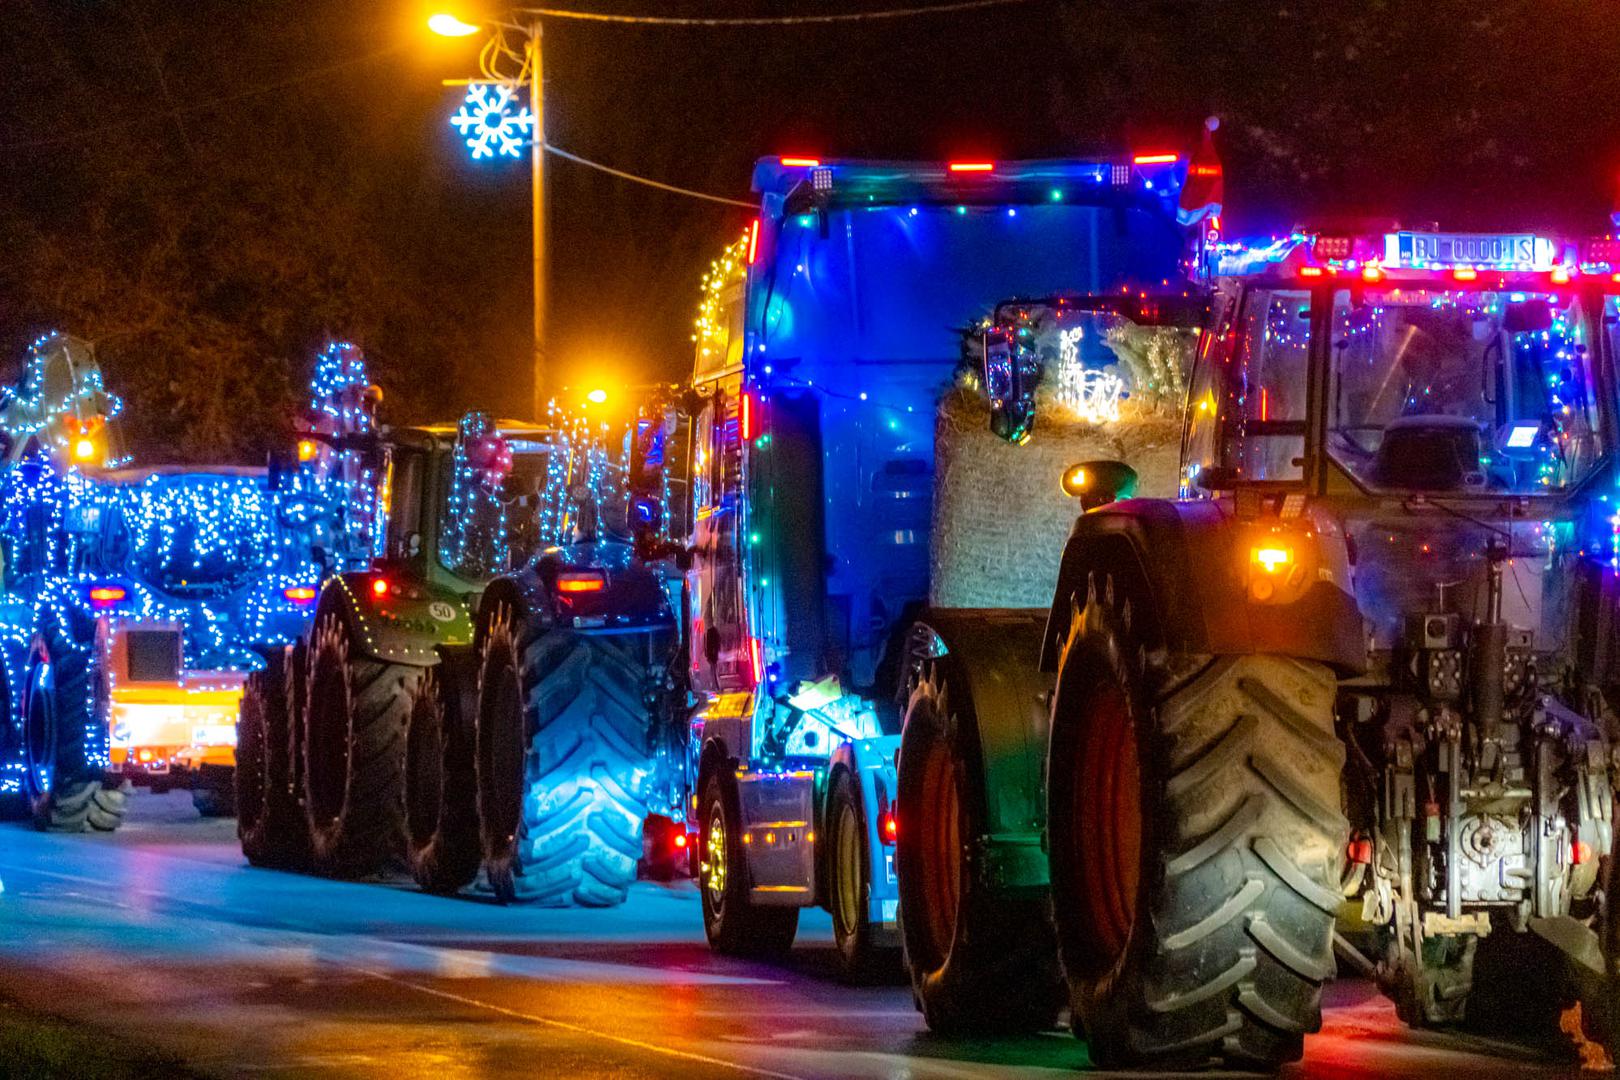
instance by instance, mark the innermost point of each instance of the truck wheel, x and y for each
(562, 764)
(354, 754)
(1195, 849)
(860, 961)
(441, 802)
(67, 792)
(980, 962)
(733, 923)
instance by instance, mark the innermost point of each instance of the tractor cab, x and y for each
(1448, 399)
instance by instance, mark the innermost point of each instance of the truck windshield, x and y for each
(1462, 391)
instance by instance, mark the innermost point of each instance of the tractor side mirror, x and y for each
(1098, 483)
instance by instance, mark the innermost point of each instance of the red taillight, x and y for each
(1155, 159)
(680, 840)
(379, 587)
(747, 417)
(1559, 275)
(800, 162)
(1310, 271)
(1371, 273)
(753, 241)
(890, 827)
(299, 594)
(580, 583)
(756, 660)
(104, 596)
(1360, 851)
(1579, 851)
(1465, 273)
(972, 166)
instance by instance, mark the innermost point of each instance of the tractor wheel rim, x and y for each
(847, 886)
(1108, 823)
(714, 863)
(941, 847)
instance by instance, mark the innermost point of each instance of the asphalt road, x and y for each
(163, 936)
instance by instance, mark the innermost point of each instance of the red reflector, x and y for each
(379, 586)
(1360, 851)
(1155, 159)
(1579, 851)
(578, 583)
(753, 241)
(299, 594)
(972, 166)
(747, 417)
(800, 162)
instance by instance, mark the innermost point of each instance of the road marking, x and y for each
(576, 1029)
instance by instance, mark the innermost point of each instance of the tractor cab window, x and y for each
(402, 503)
(1461, 391)
(1248, 400)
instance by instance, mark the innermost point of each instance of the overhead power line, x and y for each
(773, 20)
(633, 178)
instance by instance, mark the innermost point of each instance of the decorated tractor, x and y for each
(133, 603)
(413, 723)
(1354, 688)
(841, 504)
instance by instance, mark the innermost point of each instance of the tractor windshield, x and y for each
(495, 519)
(1461, 391)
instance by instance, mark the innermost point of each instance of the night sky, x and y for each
(208, 188)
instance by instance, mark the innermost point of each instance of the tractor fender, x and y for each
(997, 654)
(402, 629)
(874, 765)
(1186, 566)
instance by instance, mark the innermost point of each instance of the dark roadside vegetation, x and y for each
(35, 1047)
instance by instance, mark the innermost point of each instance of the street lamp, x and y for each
(496, 51)
(597, 397)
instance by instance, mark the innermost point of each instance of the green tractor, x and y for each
(355, 748)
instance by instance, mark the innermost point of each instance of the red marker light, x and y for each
(972, 166)
(753, 241)
(1310, 271)
(580, 583)
(300, 594)
(102, 596)
(1371, 273)
(1465, 273)
(747, 417)
(756, 661)
(680, 840)
(890, 827)
(379, 587)
(1579, 851)
(1155, 159)
(800, 162)
(1360, 851)
(1560, 275)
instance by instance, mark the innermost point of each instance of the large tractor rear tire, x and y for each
(562, 763)
(441, 787)
(270, 822)
(354, 754)
(733, 923)
(13, 801)
(981, 963)
(67, 790)
(1195, 848)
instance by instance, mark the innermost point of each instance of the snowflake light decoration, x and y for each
(490, 125)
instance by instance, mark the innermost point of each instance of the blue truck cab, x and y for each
(804, 492)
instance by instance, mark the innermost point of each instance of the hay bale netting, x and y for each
(1000, 518)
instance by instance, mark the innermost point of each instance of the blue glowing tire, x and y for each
(66, 790)
(562, 763)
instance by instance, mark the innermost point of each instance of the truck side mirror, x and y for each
(1098, 483)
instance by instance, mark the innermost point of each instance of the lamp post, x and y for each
(495, 50)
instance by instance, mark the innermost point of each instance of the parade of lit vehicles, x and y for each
(868, 615)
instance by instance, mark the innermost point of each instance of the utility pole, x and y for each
(538, 168)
